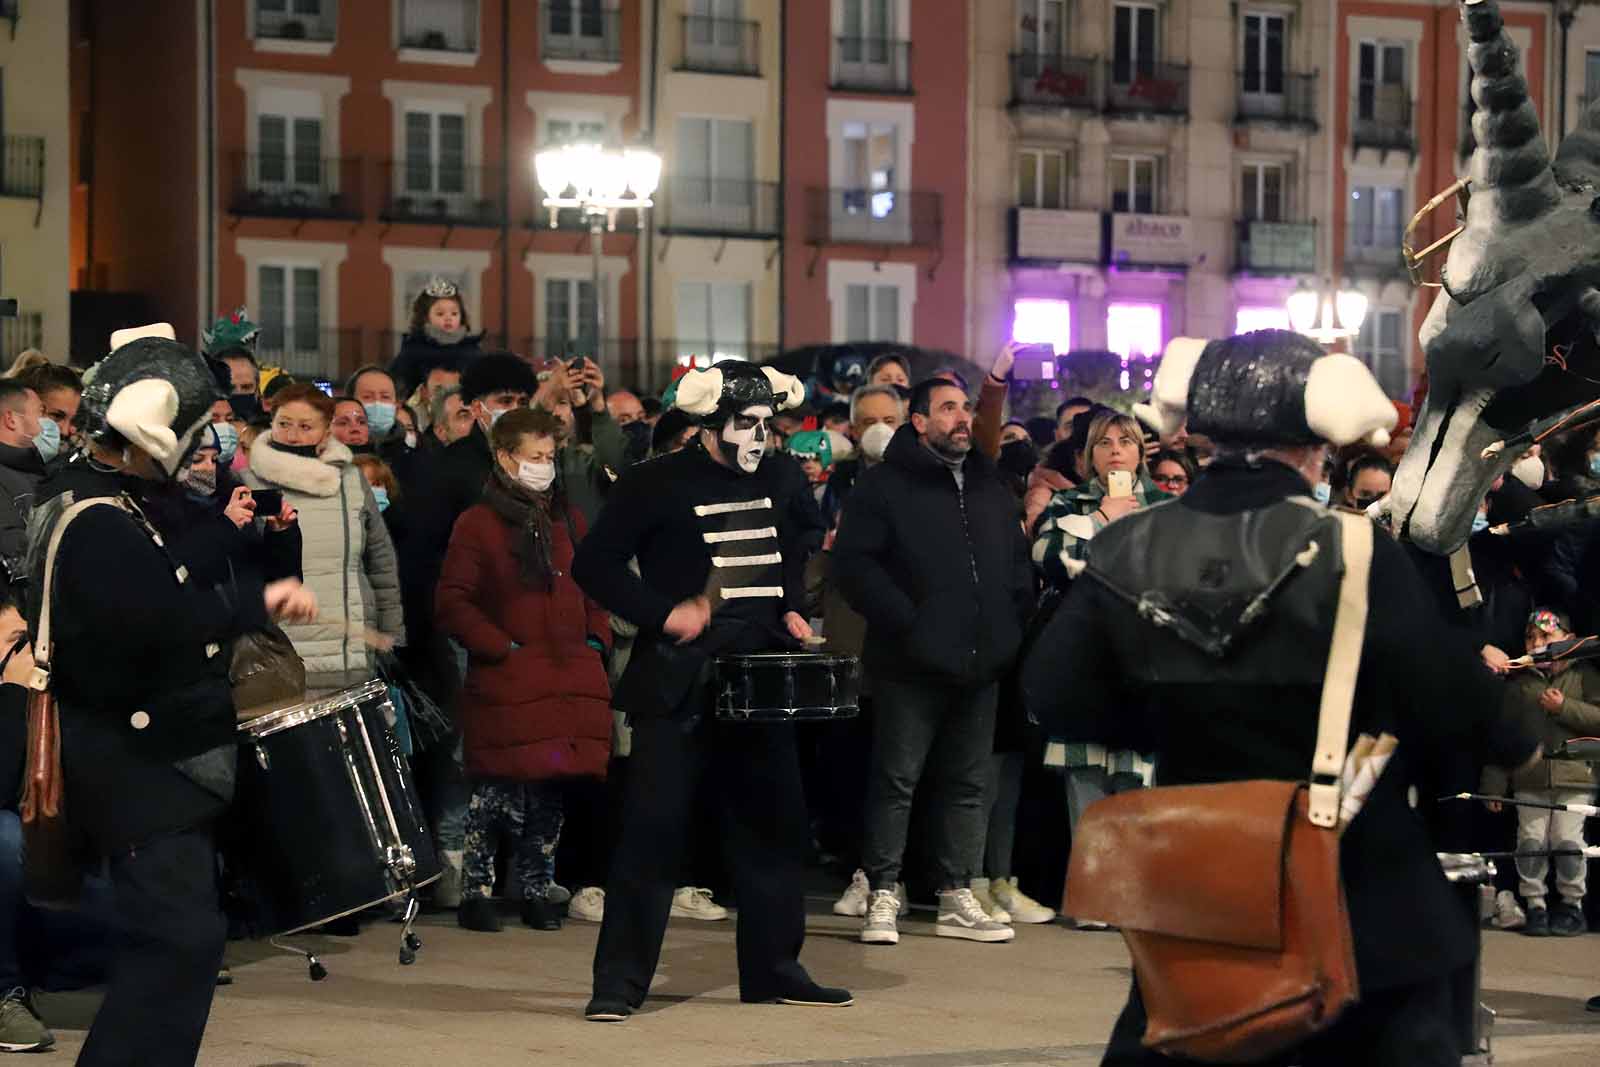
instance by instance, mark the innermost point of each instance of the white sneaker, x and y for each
(856, 895)
(692, 903)
(880, 927)
(980, 889)
(960, 915)
(1023, 908)
(1508, 914)
(588, 904)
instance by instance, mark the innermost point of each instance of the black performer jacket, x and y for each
(688, 520)
(1101, 673)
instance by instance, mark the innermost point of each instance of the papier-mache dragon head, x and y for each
(1510, 340)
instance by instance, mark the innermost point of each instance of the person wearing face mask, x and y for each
(440, 334)
(876, 411)
(375, 391)
(348, 558)
(536, 714)
(681, 516)
(1368, 482)
(25, 447)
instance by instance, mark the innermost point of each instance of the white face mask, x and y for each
(536, 476)
(875, 441)
(1529, 470)
(745, 446)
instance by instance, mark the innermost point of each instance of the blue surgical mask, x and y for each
(227, 441)
(1594, 464)
(380, 418)
(47, 442)
(1480, 522)
(1323, 492)
(381, 495)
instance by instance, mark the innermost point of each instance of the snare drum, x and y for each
(329, 811)
(787, 687)
(1474, 1020)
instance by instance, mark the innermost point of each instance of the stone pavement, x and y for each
(484, 1000)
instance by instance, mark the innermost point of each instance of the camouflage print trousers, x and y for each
(530, 815)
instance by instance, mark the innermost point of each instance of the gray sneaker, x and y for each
(880, 926)
(960, 915)
(21, 1029)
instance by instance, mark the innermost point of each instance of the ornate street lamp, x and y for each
(1326, 314)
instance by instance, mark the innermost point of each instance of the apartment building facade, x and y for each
(35, 176)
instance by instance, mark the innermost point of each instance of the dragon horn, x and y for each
(1510, 167)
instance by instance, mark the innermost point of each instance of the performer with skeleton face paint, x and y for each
(721, 567)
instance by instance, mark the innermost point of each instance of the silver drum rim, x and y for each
(288, 718)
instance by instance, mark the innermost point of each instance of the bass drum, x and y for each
(787, 687)
(330, 816)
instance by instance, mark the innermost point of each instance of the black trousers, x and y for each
(1409, 1026)
(171, 937)
(756, 775)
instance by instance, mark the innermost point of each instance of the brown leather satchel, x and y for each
(1229, 896)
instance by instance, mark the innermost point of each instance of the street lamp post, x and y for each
(598, 182)
(1327, 314)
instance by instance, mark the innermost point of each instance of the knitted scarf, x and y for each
(529, 513)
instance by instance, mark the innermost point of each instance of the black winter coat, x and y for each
(941, 573)
(419, 354)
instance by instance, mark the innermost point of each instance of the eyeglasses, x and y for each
(1171, 479)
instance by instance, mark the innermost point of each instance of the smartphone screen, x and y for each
(1035, 363)
(1119, 483)
(269, 502)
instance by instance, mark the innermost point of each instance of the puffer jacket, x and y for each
(1579, 716)
(348, 560)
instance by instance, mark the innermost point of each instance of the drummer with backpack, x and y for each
(720, 573)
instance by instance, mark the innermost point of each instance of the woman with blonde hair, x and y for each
(26, 360)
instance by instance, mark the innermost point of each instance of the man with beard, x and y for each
(719, 572)
(930, 551)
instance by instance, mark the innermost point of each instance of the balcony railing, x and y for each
(22, 167)
(389, 343)
(1152, 89)
(439, 25)
(1054, 81)
(571, 218)
(618, 357)
(1277, 247)
(294, 23)
(290, 187)
(721, 46)
(309, 351)
(422, 191)
(581, 31)
(1373, 250)
(703, 353)
(1278, 97)
(719, 208)
(20, 332)
(1381, 122)
(874, 217)
(871, 65)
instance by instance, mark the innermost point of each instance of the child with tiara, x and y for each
(440, 333)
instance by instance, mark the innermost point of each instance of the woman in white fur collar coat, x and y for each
(348, 559)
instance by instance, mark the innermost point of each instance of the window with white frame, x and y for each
(1135, 42)
(1375, 220)
(715, 29)
(1042, 178)
(715, 163)
(1381, 346)
(1264, 192)
(295, 19)
(1133, 185)
(872, 313)
(436, 150)
(713, 322)
(866, 29)
(1591, 77)
(574, 129)
(1382, 95)
(575, 24)
(441, 25)
(1042, 27)
(288, 139)
(569, 307)
(290, 308)
(871, 153)
(1265, 36)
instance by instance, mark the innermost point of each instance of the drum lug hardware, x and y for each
(263, 759)
(401, 861)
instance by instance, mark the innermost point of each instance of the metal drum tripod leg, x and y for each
(410, 943)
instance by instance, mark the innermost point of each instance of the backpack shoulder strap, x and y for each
(41, 645)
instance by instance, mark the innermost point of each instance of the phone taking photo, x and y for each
(1034, 363)
(1119, 483)
(269, 502)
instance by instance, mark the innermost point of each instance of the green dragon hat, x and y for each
(232, 331)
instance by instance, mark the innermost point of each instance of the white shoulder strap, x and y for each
(1344, 661)
(41, 644)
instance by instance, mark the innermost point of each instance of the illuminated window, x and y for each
(1043, 322)
(1247, 319)
(1133, 331)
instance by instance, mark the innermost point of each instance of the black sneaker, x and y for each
(806, 995)
(478, 913)
(541, 913)
(607, 1010)
(1566, 920)
(1592, 1004)
(1538, 924)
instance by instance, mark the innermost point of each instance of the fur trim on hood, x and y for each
(315, 477)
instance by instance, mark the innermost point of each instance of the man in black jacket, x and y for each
(720, 568)
(22, 460)
(930, 551)
(1132, 661)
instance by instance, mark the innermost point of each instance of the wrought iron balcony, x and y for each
(22, 167)
(1372, 250)
(439, 25)
(1040, 81)
(618, 357)
(1382, 121)
(715, 207)
(293, 22)
(1147, 88)
(580, 31)
(677, 352)
(294, 187)
(1276, 247)
(871, 65)
(440, 194)
(874, 217)
(1277, 98)
(309, 351)
(721, 46)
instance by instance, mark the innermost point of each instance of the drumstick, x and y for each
(1576, 809)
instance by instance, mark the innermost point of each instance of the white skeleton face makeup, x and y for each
(744, 437)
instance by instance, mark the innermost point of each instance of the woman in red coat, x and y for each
(536, 705)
